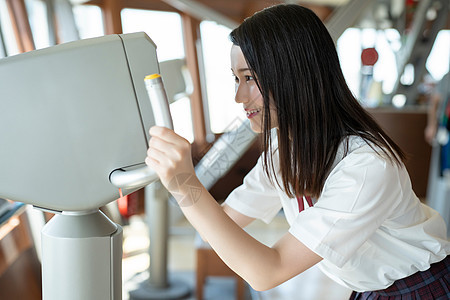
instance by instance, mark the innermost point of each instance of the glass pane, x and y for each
(438, 60)
(385, 70)
(7, 30)
(223, 110)
(165, 29)
(37, 16)
(182, 118)
(89, 20)
(349, 51)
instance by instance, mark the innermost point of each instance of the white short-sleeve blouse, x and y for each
(367, 225)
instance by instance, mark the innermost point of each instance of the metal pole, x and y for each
(155, 284)
(157, 217)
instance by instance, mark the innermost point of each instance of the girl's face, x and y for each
(247, 91)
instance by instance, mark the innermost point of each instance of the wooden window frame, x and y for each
(21, 25)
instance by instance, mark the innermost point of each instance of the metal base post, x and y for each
(81, 257)
(175, 289)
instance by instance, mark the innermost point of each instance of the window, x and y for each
(37, 16)
(165, 29)
(7, 31)
(223, 110)
(348, 47)
(439, 59)
(89, 21)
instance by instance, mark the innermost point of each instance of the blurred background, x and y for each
(394, 54)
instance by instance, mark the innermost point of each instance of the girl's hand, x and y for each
(170, 156)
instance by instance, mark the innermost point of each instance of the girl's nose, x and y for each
(240, 95)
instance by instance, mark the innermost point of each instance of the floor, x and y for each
(181, 264)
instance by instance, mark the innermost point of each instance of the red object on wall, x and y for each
(369, 56)
(128, 205)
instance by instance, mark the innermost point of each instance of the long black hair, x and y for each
(294, 61)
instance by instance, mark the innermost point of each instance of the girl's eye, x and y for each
(246, 77)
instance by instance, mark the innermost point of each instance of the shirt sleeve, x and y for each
(257, 197)
(358, 196)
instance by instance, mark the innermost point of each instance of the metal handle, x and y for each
(138, 177)
(132, 178)
(158, 99)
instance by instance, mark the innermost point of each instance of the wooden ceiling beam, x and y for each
(201, 11)
(158, 5)
(235, 10)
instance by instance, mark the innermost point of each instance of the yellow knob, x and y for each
(153, 76)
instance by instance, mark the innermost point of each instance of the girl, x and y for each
(365, 226)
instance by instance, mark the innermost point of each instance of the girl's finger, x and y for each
(155, 166)
(165, 134)
(160, 144)
(157, 155)
(152, 163)
(165, 151)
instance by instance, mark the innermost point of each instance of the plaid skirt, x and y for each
(432, 284)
